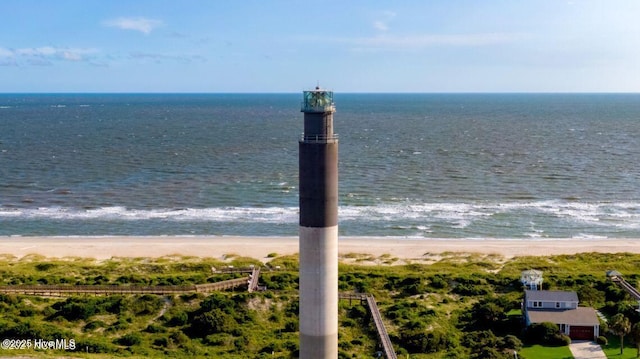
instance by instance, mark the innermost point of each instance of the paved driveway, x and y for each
(586, 350)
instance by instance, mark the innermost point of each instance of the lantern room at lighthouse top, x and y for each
(318, 100)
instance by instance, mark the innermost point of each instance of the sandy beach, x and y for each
(261, 247)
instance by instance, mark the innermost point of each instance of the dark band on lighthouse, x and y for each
(318, 184)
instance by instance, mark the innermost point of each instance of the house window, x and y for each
(557, 304)
(537, 304)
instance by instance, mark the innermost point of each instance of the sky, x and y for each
(347, 46)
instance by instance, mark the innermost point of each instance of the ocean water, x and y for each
(411, 165)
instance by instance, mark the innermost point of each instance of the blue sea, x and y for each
(411, 165)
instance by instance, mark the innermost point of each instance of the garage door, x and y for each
(581, 333)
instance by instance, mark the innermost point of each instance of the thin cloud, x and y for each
(382, 23)
(177, 35)
(7, 57)
(419, 41)
(44, 55)
(386, 42)
(141, 24)
(5, 52)
(159, 58)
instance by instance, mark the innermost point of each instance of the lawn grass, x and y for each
(612, 350)
(540, 352)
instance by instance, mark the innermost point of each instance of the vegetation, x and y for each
(635, 336)
(542, 352)
(612, 349)
(461, 306)
(620, 326)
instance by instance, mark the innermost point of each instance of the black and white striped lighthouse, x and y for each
(318, 171)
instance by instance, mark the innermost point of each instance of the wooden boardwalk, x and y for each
(387, 346)
(622, 283)
(383, 335)
(66, 290)
(253, 279)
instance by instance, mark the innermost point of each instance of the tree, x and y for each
(211, 322)
(485, 314)
(591, 296)
(620, 326)
(635, 336)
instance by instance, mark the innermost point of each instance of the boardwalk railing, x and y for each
(387, 346)
(383, 335)
(52, 290)
(253, 279)
(224, 285)
(61, 290)
(626, 286)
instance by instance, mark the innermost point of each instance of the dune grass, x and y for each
(430, 309)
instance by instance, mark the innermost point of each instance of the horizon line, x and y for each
(341, 92)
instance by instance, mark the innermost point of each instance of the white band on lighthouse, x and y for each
(318, 288)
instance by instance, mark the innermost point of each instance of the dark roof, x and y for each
(551, 296)
(613, 273)
(582, 316)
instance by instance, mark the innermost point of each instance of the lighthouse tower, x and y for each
(318, 171)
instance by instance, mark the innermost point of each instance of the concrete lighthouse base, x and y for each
(319, 293)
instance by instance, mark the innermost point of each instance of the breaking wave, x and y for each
(538, 219)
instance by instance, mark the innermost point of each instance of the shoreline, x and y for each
(409, 249)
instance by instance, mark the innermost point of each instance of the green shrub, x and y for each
(179, 338)
(602, 340)
(357, 312)
(241, 343)
(510, 342)
(562, 340)
(76, 309)
(8, 299)
(93, 325)
(45, 266)
(92, 345)
(27, 312)
(114, 304)
(357, 342)
(280, 281)
(546, 334)
(176, 319)
(438, 281)
(487, 314)
(130, 339)
(155, 328)
(292, 309)
(420, 341)
(211, 322)
(145, 304)
(471, 289)
(161, 342)
(291, 326)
